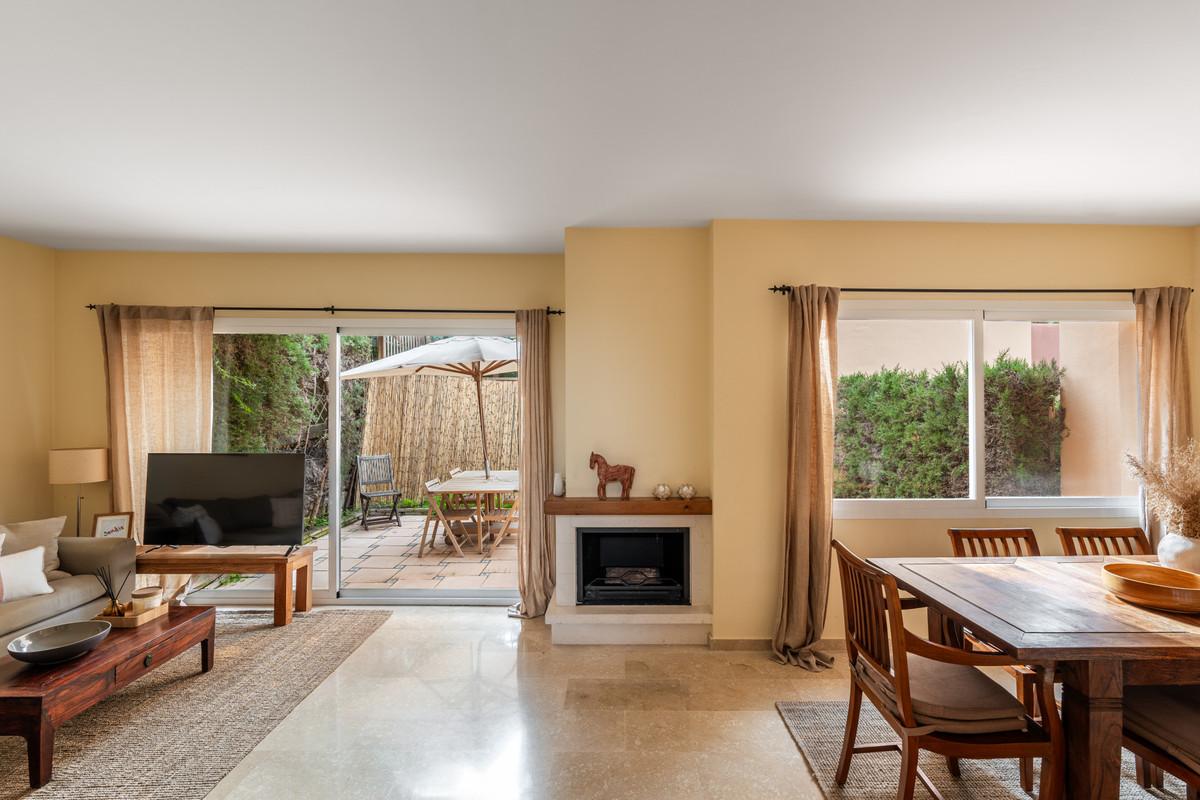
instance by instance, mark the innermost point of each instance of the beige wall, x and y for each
(639, 339)
(26, 352)
(410, 281)
(676, 349)
(749, 422)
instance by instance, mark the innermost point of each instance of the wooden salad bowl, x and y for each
(1154, 586)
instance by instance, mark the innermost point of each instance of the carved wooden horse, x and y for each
(607, 473)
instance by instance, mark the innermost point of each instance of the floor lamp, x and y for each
(78, 466)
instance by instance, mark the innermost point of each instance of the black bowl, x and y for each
(59, 643)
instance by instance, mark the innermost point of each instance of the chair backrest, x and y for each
(455, 470)
(1104, 541)
(430, 484)
(993, 542)
(874, 624)
(375, 470)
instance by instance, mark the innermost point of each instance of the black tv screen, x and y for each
(225, 499)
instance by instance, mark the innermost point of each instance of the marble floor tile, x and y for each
(468, 703)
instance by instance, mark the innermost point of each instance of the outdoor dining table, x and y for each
(487, 491)
(1054, 611)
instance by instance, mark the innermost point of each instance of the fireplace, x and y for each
(632, 566)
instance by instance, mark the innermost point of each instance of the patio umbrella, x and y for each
(471, 356)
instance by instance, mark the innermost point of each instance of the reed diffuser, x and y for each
(115, 607)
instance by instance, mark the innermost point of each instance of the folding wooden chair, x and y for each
(375, 480)
(510, 525)
(443, 516)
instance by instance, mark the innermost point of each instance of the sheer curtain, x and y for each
(808, 523)
(1164, 379)
(535, 544)
(158, 362)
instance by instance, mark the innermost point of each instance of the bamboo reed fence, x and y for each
(430, 424)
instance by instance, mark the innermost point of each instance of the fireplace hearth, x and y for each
(632, 566)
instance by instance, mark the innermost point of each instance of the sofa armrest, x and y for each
(82, 555)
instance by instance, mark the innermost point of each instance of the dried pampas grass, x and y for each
(1173, 490)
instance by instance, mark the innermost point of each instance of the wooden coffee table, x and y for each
(34, 701)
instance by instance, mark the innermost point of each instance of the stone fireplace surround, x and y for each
(631, 624)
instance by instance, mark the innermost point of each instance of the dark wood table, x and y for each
(35, 701)
(293, 570)
(1056, 612)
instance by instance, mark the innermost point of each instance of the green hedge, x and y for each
(903, 433)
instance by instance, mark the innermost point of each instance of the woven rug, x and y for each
(818, 727)
(175, 733)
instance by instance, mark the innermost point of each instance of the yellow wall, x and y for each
(410, 281)
(639, 338)
(671, 356)
(749, 345)
(26, 352)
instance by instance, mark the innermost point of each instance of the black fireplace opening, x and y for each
(632, 566)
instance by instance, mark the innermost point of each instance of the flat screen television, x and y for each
(224, 499)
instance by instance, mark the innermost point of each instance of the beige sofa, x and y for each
(77, 594)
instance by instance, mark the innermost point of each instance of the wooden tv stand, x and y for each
(201, 559)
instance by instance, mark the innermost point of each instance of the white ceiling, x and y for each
(490, 125)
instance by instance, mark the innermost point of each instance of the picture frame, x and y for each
(113, 525)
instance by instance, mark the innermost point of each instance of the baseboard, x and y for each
(765, 644)
(738, 644)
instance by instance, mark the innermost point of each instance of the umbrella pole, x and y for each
(482, 425)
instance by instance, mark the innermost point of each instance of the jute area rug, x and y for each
(818, 727)
(175, 733)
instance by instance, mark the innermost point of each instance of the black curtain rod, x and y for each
(782, 289)
(554, 312)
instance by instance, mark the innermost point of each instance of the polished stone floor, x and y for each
(467, 703)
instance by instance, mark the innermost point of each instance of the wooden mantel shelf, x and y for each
(634, 506)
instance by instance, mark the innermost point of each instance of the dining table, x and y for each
(1055, 612)
(486, 490)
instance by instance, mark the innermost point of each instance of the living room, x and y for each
(671, 355)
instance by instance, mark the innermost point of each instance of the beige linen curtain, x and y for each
(158, 362)
(808, 524)
(535, 545)
(1164, 380)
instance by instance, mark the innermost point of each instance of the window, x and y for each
(955, 408)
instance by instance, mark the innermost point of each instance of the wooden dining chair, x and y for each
(443, 516)
(993, 542)
(1161, 725)
(933, 696)
(1003, 543)
(1104, 541)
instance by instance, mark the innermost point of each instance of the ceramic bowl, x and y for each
(59, 643)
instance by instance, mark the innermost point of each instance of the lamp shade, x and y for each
(79, 465)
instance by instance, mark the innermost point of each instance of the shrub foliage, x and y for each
(904, 433)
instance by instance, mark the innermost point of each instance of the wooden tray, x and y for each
(1154, 586)
(140, 619)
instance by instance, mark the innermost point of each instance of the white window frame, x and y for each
(977, 506)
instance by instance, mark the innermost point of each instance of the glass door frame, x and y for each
(335, 328)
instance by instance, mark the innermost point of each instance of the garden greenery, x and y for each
(904, 433)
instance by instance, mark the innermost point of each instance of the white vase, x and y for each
(1179, 552)
(560, 487)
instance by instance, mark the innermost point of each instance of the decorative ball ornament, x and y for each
(687, 491)
(662, 491)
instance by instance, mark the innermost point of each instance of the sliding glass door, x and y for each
(372, 442)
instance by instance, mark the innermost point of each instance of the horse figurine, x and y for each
(607, 473)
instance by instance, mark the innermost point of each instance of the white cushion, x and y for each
(42, 533)
(21, 575)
